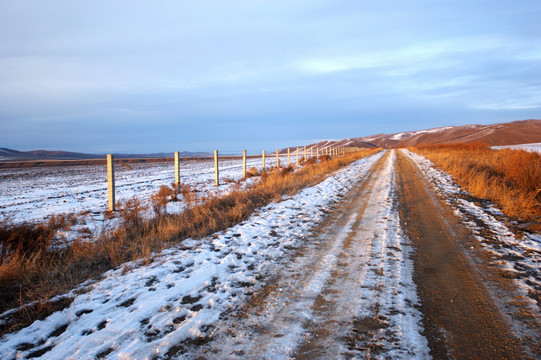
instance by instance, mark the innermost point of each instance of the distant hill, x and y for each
(15, 155)
(511, 133)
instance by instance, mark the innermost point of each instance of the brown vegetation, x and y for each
(509, 178)
(40, 274)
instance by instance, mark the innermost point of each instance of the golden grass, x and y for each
(39, 275)
(509, 178)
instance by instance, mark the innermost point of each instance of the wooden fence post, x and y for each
(305, 153)
(263, 157)
(317, 152)
(111, 181)
(288, 158)
(244, 164)
(216, 170)
(277, 160)
(297, 156)
(312, 152)
(177, 170)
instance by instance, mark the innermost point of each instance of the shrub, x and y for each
(132, 213)
(161, 198)
(24, 239)
(188, 193)
(251, 172)
(57, 222)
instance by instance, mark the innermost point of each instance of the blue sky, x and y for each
(150, 76)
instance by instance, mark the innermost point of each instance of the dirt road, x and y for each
(345, 293)
(359, 288)
(460, 317)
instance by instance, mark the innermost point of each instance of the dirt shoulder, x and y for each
(459, 315)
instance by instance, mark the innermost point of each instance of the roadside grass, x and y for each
(37, 274)
(509, 178)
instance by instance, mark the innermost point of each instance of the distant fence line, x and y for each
(327, 151)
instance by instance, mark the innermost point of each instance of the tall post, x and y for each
(312, 152)
(111, 181)
(277, 160)
(288, 158)
(297, 156)
(305, 153)
(216, 171)
(177, 169)
(263, 157)
(244, 164)
(317, 152)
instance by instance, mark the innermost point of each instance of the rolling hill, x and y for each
(511, 133)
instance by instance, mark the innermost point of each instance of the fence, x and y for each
(329, 151)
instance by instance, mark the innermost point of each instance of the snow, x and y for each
(149, 311)
(534, 147)
(34, 194)
(400, 136)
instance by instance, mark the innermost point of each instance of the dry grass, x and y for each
(38, 275)
(510, 178)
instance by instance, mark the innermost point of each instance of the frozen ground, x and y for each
(535, 147)
(185, 296)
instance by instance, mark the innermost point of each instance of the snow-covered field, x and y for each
(535, 147)
(142, 312)
(33, 194)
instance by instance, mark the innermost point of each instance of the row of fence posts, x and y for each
(329, 151)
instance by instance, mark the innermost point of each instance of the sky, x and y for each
(135, 76)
